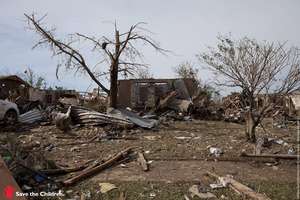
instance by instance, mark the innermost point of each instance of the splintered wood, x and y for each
(142, 161)
(241, 188)
(98, 168)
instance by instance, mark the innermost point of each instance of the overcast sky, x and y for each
(185, 27)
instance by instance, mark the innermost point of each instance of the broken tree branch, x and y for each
(87, 173)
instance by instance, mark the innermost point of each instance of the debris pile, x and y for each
(26, 166)
(232, 107)
(34, 173)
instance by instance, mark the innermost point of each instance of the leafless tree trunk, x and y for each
(120, 53)
(250, 126)
(114, 74)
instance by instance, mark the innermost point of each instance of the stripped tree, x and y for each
(34, 79)
(258, 69)
(120, 53)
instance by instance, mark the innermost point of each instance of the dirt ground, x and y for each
(179, 158)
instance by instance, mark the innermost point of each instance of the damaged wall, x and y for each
(12, 87)
(145, 93)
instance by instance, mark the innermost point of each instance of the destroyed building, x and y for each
(146, 93)
(52, 97)
(285, 106)
(13, 86)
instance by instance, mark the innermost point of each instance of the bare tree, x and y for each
(34, 79)
(143, 73)
(120, 53)
(187, 69)
(258, 69)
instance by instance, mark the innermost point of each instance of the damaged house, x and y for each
(146, 94)
(15, 89)
(12, 87)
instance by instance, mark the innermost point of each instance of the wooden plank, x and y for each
(141, 159)
(279, 156)
(247, 191)
(241, 188)
(96, 169)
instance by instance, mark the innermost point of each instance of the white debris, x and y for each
(291, 151)
(215, 151)
(222, 182)
(182, 138)
(278, 141)
(106, 187)
(152, 195)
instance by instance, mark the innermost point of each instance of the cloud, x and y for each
(185, 27)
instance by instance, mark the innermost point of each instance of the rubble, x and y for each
(25, 166)
(113, 129)
(232, 106)
(8, 183)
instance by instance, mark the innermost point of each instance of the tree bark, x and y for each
(113, 95)
(113, 86)
(250, 127)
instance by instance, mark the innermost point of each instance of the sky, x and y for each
(185, 27)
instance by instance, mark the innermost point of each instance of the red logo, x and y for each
(9, 192)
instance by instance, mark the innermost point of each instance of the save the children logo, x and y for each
(9, 192)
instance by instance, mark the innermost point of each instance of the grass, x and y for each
(176, 191)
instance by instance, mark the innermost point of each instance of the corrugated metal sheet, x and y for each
(134, 118)
(32, 116)
(89, 117)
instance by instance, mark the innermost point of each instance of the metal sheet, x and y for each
(89, 117)
(134, 118)
(32, 116)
